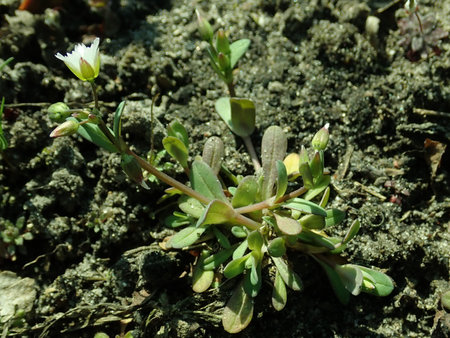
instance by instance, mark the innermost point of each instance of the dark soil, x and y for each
(94, 263)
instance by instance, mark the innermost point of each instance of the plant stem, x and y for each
(95, 95)
(247, 222)
(231, 89)
(268, 203)
(251, 150)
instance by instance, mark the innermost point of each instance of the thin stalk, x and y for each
(231, 89)
(251, 150)
(268, 203)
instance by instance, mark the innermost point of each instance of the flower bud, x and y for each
(222, 43)
(133, 170)
(58, 112)
(204, 27)
(67, 128)
(320, 140)
(224, 62)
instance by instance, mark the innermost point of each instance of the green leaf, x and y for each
(177, 130)
(306, 206)
(325, 197)
(191, 206)
(238, 312)
(279, 293)
(312, 222)
(336, 283)
(205, 182)
(221, 238)
(216, 212)
(242, 116)
(240, 250)
(92, 133)
(291, 279)
(201, 278)
(354, 228)
(239, 231)
(185, 237)
(255, 241)
(237, 49)
(213, 262)
(277, 247)
(308, 236)
(287, 225)
(273, 148)
(235, 267)
(334, 216)
(213, 152)
(246, 192)
(223, 108)
(176, 148)
(319, 186)
(316, 166)
(351, 276)
(382, 283)
(178, 219)
(282, 180)
(118, 120)
(252, 278)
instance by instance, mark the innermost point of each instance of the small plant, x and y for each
(3, 142)
(12, 237)
(243, 228)
(420, 34)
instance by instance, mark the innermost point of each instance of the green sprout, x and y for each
(241, 225)
(3, 142)
(12, 237)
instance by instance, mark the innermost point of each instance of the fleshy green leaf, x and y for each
(279, 293)
(242, 116)
(287, 225)
(221, 238)
(213, 152)
(205, 182)
(316, 165)
(92, 133)
(237, 49)
(318, 187)
(178, 219)
(191, 206)
(382, 283)
(289, 276)
(235, 267)
(354, 228)
(325, 197)
(216, 212)
(3, 142)
(277, 247)
(308, 236)
(213, 262)
(292, 164)
(238, 312)
(338, 286)
(273, 148)
(238, 231)
(312, 222)
(282, 180)
(246, 192)
(176, 148)
(306, 206)
(240, 250)
(177, 130)
(185, 237)
(255, 241)
(351, 276)
(334, 216)
(118, 120)
(252, 278)
(201, 278)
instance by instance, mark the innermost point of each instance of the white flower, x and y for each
(84, 61)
